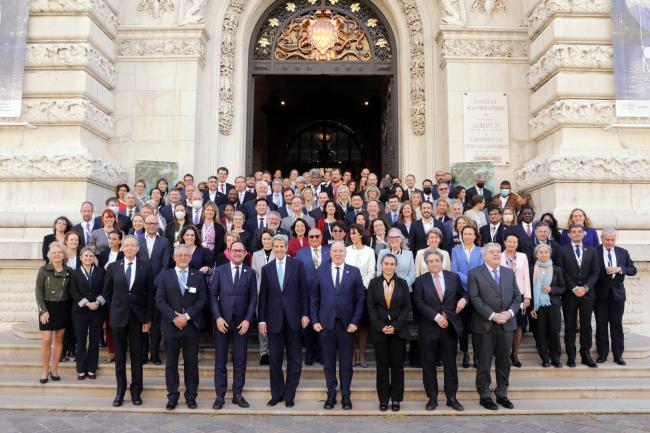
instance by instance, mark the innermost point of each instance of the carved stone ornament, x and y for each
(162, 47)
(585, 167)
(68, 112)
(488, 6)
(156, 7)
(572, 112)
(71, 54)
(192, 12)
(452, 12)
(485, 49)
(72, 166)
(569, 56)
(99, 9)
(546, 9)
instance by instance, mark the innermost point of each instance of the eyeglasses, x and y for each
(315, 236)
(238, 251)
(394, 237)
(151, 224)
(337, 231)
(443, 189)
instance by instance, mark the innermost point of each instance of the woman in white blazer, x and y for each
(434, 237)
(518, 262)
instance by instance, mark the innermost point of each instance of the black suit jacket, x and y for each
(317, 214)
(427, 302)
(219, 198)
(499, 235)
(585, 274)
(227, 301)
(487, 297)
(160, 255)
(86, 288)
(558, 286)
(471, 192)
(170, 301)
(292, 301)
(104, 255)
(407, 195)
(381, 315)
(250, 212)
(82, 238)
(418, 237)
(607, 285)
(137, 301)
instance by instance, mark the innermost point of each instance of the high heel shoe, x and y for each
(515, 361)
(43, 381)
(465, 360)
(55, 378)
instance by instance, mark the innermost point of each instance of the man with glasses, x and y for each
(233, 298)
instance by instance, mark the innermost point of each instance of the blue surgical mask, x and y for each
(505, 192)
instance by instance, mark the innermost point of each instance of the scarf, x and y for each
(542, 277)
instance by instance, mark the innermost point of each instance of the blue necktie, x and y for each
(236, 276)
(281, 275)
(578, 251)
(127, 274)
(183, 281)
(495, 274)
(87, 233)
(337, 285)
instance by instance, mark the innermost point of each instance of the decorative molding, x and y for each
(488, 6)
(161, 47)
(192, 12)
(67, 166)
(71, 54)
(155, 8)
(105, 17)
(452, 12)
(569, 56)
(547, 9)
(574, 113)
(590, 166)
(483, 49)
(68, 112)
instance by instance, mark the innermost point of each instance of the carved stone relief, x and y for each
(192, 12)
(488, 6)
(548, 8)
(572, 112)
(452, 12)
(484, 48)
(156, 7)
(162, 47)
(67, 112)
(97, 8)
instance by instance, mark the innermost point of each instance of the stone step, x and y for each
(258, 389)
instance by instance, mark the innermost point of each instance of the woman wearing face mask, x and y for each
(578, 216)
(99, 237)
(181, 219)
(509, 219)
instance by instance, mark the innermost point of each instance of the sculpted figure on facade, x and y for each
(156, 7)
(192, 12)
(453, 12)
(488, 6)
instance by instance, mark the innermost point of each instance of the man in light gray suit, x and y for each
(495, 299)
(298, 211)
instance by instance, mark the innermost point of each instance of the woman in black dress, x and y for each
(61, 226)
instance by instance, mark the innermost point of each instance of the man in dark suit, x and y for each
(222, 181)
(410, 187)
(128, 288)
(276, 196)
(250, 207)
(317, 185)
(526, 216)
(610, 296)
(337, 302)
(258, 219)
(478, 188)
(113, 204)
(319, 212)
(494, 231)
(392, 211)
(495, 299)
(285, 210)
(439, 296)
(312, 258)
(283, 312)
(86, 225)
(168, 211)
(357, 208)
(155, 251)
(180, 297)
(420, 228)
(231, 199)
(233, 298)
(581, 271)
(212, 193)
(243, 195)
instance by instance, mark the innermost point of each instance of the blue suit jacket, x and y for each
(304, 255)
(348, 304)
(460, 264)
(170, 301)
(290, 301)
(160, 255)
(227, 301)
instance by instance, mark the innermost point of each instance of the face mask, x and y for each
(480, 184)
(115, 209)
(507, 219)
(180, 215)
(427, 190)
(197, 204)
(505, 192)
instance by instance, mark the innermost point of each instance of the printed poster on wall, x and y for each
(13, 35)
(485, 120)
(631, 33)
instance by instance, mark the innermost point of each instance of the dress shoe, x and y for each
(118, 401)
(145, 360)
(137, 401)
(556, 364)
(273, 401)
(290, 403)
(383, 407)
(55, 378)
(465, 360)
(589, 362)
(218, 403)
(309, 360)
(395, 406)
(72, 357)
(91, 376)
(571, 363)
(43, 381)
(241, 402)
(81, 376)
(601, 359)
(455, 404)
(503, 401)
(432, 404)
(546, 364)
(320, 360)
(488, 403)
(439, 363)
(156, 361)
(330, 402)
(620, 361)
(346, 403)
(515, 361)
(264, 360)
(191, 404)
(171, 405)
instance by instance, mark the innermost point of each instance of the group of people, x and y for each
(321, 262)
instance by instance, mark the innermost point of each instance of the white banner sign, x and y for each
(487, 136)
(13, 35)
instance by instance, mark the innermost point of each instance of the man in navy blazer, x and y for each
(233, 299)
(419, 229)
(610, 295)
(337, 301)
(180, 297)
(283, 312)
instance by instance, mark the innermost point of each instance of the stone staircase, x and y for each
(534, 390)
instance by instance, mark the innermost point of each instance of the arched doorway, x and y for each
(322, 62)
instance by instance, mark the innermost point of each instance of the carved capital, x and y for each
(68, 112)
(99, 10)
(572, 112)
(547, 9)
(569, 56)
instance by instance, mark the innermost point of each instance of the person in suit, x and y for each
(319, 212)
(250, 207)
(479, 188)
(154, 250)
(336, 308)
(434, 236)
(181, 219)
(357, 208)
(212, 232)
(285, 211)
(233, 299)
(202, 258)
(131, 206)
(494, 231)
(439, 297)
(167, 211)
(283, 312)
(86, 225)
(526, 217)
(463, 258)
(243, 195)
(317, 184)
(389, 306)
(113, 204)
(87, 313)
(128, 288)
(222, 177)
(180, 296)
(420, 228)
(257, 220)
(410, 187)
(114, 251)
(610, 296)
(213, 193)
(579, 217)
(312, 258)
(495, 300)
(581, 271)
(392, 211)
(548, 287)
(406, 218)
(275, 196)
(298, 211)
(273, 223)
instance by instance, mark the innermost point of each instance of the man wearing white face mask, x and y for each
(507, 198)
(197, 207)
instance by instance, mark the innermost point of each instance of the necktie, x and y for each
(261, 225)
(87, 233)
(609, 258)
(127, 274)
(492, 230)
(578, 251)
(223, 189)
(236, 281)
(130, 214)
(495, 274)
(197, 217)
(436, 283)
(528, 232)
(281, 275)
(337, 284)
(183, 281)
(394, 218)
(316, 258)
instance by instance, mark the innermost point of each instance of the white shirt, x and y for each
(341, 267)
(494, 229)
(150, 242)
(526, 226)
(212, 195)
(233, 271)
(126, 266)
(72, 262)
(582, 252)
(428, 225)
(241, 196)
(112, 256)
(606, 259)
(468, 253)
(504, 200)
(222, 188)
(364, 259)
(258, 218)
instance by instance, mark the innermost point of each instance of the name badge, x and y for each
(192, 289)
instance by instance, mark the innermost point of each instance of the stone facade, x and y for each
(109, 83)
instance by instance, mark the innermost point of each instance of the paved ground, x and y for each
(37, 422)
